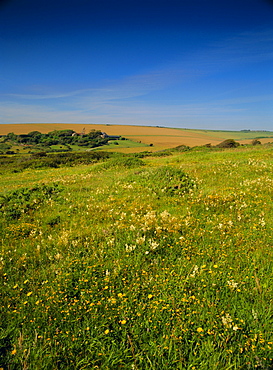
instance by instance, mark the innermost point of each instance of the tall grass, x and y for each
(158, 263)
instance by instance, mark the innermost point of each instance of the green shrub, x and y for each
(255, 142)
(165, 180)
(182, 148)
(45, 160)
(18, 202)
(124, 162)
(229, 143)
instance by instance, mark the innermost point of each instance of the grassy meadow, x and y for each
(134, 262)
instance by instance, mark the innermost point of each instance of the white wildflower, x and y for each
(165, 215)
(130, 248)
(58, 256)
(262, 222)
(153, 244)
(194, 272)
(232, 284)
(111, 241)
(254, 314)
(227, 320)
(140, 240)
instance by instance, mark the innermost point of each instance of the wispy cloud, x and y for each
(240, 49)
(124, 88)
(44, 96)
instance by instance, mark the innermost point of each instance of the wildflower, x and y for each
(29, 294)
(58, 256)
(130, 248)
(123, 322)
(235, 328)
(13, 352)
(150, 296)
(227, 320)
(165, 215)
(262, 222)
(111, 241)
(153, 244)
(140, 240)
(232, 284)
(107, 331)
(194, 272)
(255, 315)
(199, 330)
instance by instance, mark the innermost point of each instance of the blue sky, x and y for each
(178, 63)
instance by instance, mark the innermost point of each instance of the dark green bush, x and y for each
(229, 143)
(51, 160)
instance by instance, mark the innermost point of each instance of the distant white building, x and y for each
(110, 137)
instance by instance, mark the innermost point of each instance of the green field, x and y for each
(134, 262)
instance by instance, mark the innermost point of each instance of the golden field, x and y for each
(160, 137)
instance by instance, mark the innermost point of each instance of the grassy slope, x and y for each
(121, 270)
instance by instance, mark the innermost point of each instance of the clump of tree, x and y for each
(36, 139)
(228, 143)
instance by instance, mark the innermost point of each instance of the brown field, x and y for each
(160, 137)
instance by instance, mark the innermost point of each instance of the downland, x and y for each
(153, 260)
(156, 138)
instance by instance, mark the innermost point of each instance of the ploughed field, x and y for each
(134, 262)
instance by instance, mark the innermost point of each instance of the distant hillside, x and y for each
(157, 138)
